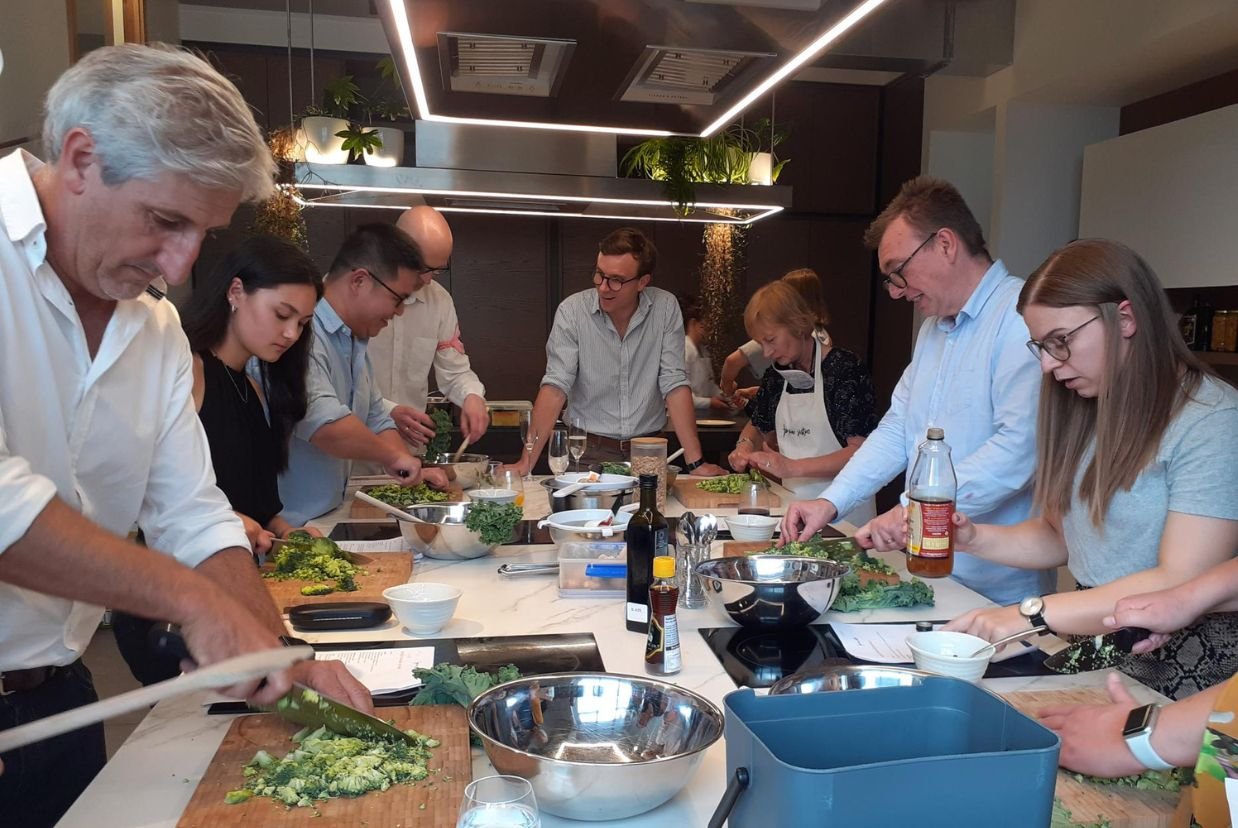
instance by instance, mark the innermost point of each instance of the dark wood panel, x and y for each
(1204, 96)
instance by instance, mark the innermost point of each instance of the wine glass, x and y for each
(577, 438)
(556, 451)
(499, 802)
(509, 479)
(529, 438)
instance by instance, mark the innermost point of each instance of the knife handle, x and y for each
(167, 640)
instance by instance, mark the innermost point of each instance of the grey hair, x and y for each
(156, 109)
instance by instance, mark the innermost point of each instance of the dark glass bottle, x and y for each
(647, 536)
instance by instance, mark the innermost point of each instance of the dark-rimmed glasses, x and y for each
(399, 300)
(895, 277)
(1057, 346)
(613, 282)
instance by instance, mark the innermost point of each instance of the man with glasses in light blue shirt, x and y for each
(969, 374)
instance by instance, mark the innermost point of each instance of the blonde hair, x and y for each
(156, 109)
(779, 305)
(1140, 394)
(808, 284)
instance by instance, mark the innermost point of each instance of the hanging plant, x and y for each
(280, 215)
(721, 272)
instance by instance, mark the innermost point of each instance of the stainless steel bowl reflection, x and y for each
(596, 746)
(437, 530)
(851, 677)
(772, 591)
(588, 499)
(467, 472)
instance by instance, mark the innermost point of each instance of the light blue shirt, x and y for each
(972, 376)
(339, 382)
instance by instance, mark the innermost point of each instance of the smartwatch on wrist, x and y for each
(694, 465)
(1033, 609)
(1138, 735)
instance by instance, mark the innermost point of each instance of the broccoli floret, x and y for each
(238, 796)
(346, 583)
(321, 589)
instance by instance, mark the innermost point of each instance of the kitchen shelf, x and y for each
(1217, 358)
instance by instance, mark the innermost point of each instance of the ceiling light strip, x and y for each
(811, 51)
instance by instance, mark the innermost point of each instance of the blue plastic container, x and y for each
(944, 753)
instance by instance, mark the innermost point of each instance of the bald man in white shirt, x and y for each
(428, 334)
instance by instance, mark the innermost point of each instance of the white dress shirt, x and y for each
(700, 370)
(114, 436)
(426, 334)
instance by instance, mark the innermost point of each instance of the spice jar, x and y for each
(648, 456)
(1224, 331)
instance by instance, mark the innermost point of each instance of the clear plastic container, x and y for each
(595, 569)
(648, 456)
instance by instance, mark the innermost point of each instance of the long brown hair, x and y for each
(1140, 393)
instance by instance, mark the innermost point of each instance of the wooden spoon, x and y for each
(455, 458)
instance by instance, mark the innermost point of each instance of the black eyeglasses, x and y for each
(1058, 346)
(399, 300)
(612, 282)
(435, 271)
(895, 277)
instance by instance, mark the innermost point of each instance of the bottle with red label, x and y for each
(930, 505)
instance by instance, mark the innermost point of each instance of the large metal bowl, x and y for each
(851, 677)
(772, 591)
(467, 472)
(437, 530)
(588, 499)
(596, 746)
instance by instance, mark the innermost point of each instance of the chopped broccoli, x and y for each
(305, 558)
(402, 497)
(318, 589)
(731, 483)
(238, 796)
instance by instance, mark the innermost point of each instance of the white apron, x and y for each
(804, 430)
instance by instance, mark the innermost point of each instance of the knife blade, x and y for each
(307, 707)
(1097, 652)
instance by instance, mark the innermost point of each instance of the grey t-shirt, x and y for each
(1195, 472)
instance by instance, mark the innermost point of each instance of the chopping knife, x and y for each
(1096, 652)
(307, 707)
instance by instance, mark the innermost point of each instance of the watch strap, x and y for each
(693, 466)
(293, 641)
(1141, 746)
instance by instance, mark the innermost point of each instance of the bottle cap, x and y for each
(924, 626)
(936, 434)
(650, 480)
(664, 567)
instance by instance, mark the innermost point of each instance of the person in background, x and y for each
(1198, 732)
(1136, 464)
(255, 304)
(697, 363)
(347, 419)
(815, 403)
(969, 374)
(615, 354)
(751, 355)
(427, 334)
(150, 149)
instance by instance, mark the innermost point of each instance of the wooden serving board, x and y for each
(400, 805)
(1123, 807)
(384, 569)
(360, 510)
(737, 549)
(691, 497)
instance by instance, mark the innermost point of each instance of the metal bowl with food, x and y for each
(596, 746)
(772, 591)
(583, 525)
(467, 471)
(848, 677)
(437, 530)
(591, 498)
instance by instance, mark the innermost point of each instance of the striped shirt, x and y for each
(617, 386)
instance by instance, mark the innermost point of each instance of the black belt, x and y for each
(601, 441)
(23, 681)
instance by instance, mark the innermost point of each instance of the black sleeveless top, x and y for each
(243, 449)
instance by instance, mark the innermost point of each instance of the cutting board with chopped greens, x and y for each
(383, 569)
(361, 510)
(1113, 804)
(687, 493)
(434, 802)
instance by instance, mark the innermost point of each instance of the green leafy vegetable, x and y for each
(317, 589)
(610, 467)
(442, 435)
(452, 684)
(494, 522)
(326, 765)
(402, 497)
(730, 484)
(1150, 780)
(306, 558)
(1063, 818)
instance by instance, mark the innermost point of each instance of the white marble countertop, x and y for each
(152, 777)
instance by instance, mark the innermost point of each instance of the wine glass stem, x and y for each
(528, 475)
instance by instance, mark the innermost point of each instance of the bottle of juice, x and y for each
(931, 492)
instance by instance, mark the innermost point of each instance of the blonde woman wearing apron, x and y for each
(815, 403)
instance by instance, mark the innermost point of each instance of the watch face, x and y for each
(1138, 720)
(1031, 606)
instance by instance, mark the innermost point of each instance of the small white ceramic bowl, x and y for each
(752, 527)
(949, 654)
(423, 608)
(493, 495)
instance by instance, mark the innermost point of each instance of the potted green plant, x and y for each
(324, 126)
(386, 103)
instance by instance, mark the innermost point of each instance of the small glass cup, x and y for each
(752, 500)
(509, 479)
(499, 802)
(691, 590)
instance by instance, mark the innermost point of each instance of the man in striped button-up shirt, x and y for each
(615, 354)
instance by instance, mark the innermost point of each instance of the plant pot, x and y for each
(322, 145)
(391, 153)
(761, 168)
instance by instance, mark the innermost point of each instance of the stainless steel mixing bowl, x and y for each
(467, 472)
(852, 677)
(588, 498)
(772, 591)
(596, 746)
(437, 530)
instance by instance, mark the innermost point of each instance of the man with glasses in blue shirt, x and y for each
(969, 374)
(615, 355)
(375, 271)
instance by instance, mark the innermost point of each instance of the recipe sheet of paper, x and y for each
(887, 643)
(383, 670)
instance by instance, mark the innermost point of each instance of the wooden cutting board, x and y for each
(737, 549)
(691, 497)
(1123, 807)
(384, 569)
(360, 510)
(400, 805)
